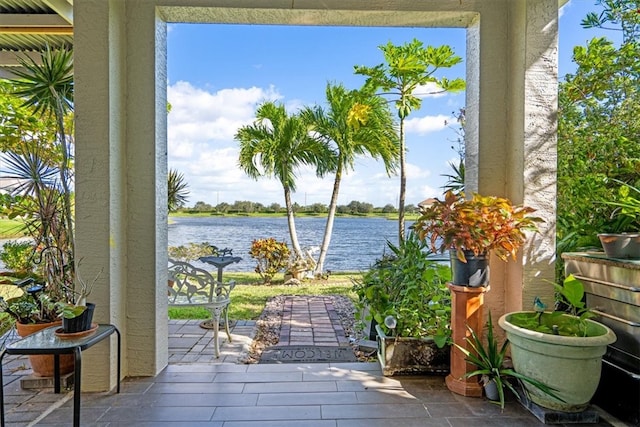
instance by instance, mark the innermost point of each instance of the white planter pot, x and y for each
(621, 245)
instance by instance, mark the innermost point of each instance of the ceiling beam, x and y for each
(64, 8)
(32, 20)
(10, 59)
(62, 31)
(34, 24)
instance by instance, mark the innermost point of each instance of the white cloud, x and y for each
(414, 171)
(429, 90)
(428, 124)
(201, 127)
(200, 115)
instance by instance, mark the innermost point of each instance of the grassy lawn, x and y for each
(10, 229)
(249, 297)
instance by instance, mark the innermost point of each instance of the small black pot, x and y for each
(474, 273)
(79, 323)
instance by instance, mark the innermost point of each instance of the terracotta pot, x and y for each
(42, 365)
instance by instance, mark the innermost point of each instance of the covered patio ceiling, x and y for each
(27, 26)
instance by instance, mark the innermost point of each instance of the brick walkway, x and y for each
(311, 321)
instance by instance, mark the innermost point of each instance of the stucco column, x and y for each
(511, 136)
(147, 326)
(120, 223)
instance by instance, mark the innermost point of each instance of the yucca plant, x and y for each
(489, 359)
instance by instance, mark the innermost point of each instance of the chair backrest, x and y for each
(193, 285)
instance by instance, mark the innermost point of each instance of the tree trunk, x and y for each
(403, 184)
(292, 224)
(328, 231)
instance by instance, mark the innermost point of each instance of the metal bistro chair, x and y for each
(193, 286)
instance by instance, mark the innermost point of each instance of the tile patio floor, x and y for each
(196, 389)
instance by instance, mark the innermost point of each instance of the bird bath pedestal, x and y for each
(220, 262)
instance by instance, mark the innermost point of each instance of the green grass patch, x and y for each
(10, 229)
(248, 298)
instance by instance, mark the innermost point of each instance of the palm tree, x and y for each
(274, 146)
(407, 69)
(178, 190)
(355, 123)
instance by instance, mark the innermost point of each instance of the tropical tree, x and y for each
(598, 128)
(19, 126)
(456, 179)
(406, 76)
(355, 123)
(178, 190)
(277, 144)
(45, 86)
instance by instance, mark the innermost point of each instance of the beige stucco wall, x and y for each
(120, 66)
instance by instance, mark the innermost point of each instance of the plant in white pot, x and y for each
(560, 349)
(626, 217)
(472, 228)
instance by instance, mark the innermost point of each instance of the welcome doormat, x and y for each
(307, 354)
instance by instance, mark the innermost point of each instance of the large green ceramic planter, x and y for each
(571, 365)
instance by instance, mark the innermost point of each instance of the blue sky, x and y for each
(218, 74)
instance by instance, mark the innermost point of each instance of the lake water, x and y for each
(356, 243)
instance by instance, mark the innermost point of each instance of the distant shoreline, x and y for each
(394, 216)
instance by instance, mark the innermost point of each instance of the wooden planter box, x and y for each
(411, 356)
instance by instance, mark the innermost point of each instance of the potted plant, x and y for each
(77, 315)
(32, 311)
(626, 214)
(489, 360)
(406, 294)
(38, 170)
(472, 228)
(562, 349)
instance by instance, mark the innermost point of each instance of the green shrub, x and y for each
(272, 257)
(411, 289)
(17, 257)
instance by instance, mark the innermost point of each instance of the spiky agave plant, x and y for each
(489, 360)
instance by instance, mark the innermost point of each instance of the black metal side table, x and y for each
(46, 341)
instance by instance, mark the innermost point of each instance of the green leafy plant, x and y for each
(490, 361)
(31, 307)
(177, 190)
(627, 207)
(77, 306)
(571, 320)
(17, 257)
(481, 224)
(411, 289)
(272, 257)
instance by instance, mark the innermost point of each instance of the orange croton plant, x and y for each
(481, 225)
